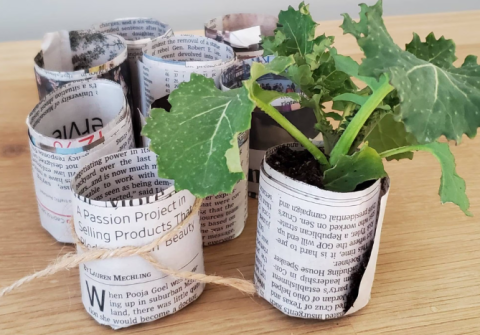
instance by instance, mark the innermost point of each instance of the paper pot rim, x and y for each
(272, 173)
(223, 61)
(84, 73)
(141, 41)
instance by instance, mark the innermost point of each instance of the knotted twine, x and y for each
(72, 260)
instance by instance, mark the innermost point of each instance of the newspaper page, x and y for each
(137, 32)
(265, 132)
(119, 201)
(168, 62)
(69, 123)
(242, 32)
(314, 246)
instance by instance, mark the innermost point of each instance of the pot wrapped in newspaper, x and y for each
(242, 32)
(80, 54)
(265, 132)
(68, 124)
(120, 202)
(137, 32)
(316, 250)
(168, 62)
(68, 56)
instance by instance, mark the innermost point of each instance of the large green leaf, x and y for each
(452, 186)
(439, 52)
(434, 100)
(295, 33)
(196, 142)
(350, 171)
(390, 134)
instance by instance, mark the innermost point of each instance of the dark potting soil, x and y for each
(298, 165)
(302, 166)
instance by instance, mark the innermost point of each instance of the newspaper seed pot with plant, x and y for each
(321, 207)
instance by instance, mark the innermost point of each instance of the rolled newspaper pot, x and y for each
(137, 32)
(266, 132)
(168, 62)
(68, 56)
(80, 54)
(242, 32)
(68, 124)
(316, 250)
(119, 201)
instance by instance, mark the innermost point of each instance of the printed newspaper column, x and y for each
(265, 132)
(137, 32)
(119, 201)
(168, 62)
(69, 123)
(68, 56)
(316, 250)
(242, 32)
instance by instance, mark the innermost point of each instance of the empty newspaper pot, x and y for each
(73, 121)
(266, 132)
(137, 33)
(68, 56)
(242, 32)
(119, 201)
(316, 250)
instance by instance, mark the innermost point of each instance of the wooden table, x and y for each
(428, 272)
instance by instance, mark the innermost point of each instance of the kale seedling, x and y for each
(410, 99)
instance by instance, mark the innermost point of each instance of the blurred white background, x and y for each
(30, 19)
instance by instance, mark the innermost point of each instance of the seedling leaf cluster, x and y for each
(406, 99)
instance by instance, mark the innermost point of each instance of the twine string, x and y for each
(72, 260)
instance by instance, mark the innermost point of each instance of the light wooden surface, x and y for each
(428, 272)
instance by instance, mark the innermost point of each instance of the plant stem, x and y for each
(345, 142)
(292, 130)
(401, 150)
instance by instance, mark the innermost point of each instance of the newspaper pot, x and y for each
(242, 32)
(71, 122)
(137, 32)
(119, 201)
(68, 56)
(316, 250)
(265, 132)
(168, 62)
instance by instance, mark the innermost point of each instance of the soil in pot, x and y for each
(302, 166)
(298, 165)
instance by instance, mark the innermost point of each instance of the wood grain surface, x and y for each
(428, 272)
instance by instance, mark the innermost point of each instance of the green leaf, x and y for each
(452, 186)
(350, 171)
(298, 28)
(302, 77)
(270, 44)
(439, 52)
(196, 141)
(277, 66)
(434, 100)
(347, 65)
(390, 134)
(320, 50)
